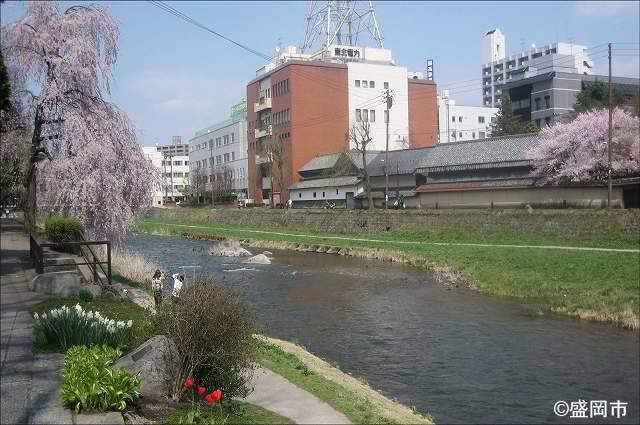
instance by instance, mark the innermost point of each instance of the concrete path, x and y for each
(484, 245)
(273, 392)
(30, 385)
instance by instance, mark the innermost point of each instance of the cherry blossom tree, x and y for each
(83, 146)
(576, 151)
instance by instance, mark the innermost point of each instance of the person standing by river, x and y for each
(156, 286)
(178, 280)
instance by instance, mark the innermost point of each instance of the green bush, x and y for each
(213, 332)
(91, 383)
(61, 229)
(85, 296)
(255, 205)
(65, 327)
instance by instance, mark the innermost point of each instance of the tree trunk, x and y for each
(30, 203)
(367, 180)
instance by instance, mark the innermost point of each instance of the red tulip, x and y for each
(217, 394)
(209, 398)
(202, 390)
(189, 383)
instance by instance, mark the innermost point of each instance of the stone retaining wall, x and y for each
(350, 221)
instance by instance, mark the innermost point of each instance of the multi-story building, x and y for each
(152, 154)
(499, 69)
(219, 152)
(306, 104)
(460, 122)
(174, 167)
(544, 97)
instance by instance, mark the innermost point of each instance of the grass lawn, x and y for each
(241, 413)
(108, 305)
(354, 404)
(602, 286)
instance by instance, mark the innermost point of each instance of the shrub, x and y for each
(64, 327)
(85, 296)
(91, 383)
(213, 331)
(61, 229)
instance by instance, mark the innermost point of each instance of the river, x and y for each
(460, 355)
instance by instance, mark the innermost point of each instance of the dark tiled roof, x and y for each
(327, 182)
(401, 161)
(483, 151)
(323, 162)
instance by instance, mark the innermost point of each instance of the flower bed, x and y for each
(65, 327)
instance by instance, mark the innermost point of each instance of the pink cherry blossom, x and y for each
(577, 151)
(96, 170)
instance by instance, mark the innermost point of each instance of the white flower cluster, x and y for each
(94, 317)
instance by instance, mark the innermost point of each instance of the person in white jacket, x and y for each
(178, 280)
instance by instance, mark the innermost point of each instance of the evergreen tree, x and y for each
(507, 123)
(596, 96)
(531, 128)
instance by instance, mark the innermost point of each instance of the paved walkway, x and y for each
(29, 384)
(302, 235)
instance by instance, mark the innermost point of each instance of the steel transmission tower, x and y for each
(340, 22)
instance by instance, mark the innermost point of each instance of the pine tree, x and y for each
(506, 122)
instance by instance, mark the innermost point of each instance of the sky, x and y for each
(173, 78)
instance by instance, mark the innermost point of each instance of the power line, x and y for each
(192, 21)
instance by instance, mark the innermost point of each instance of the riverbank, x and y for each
(598, 285)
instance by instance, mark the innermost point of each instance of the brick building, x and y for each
(303, 105)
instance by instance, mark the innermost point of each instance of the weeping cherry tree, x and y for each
(83, 148)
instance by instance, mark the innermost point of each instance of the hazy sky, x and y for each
(174, 78)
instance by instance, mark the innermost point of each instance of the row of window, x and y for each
(282, 117)
(368, 84)
(547, 103)
(481, 135)
(366, 115)
(219, 159)
(234, 174)
(224, 140)
(177, 163)
(177, 174)
(315, 194)
(281, 88)
(481, 119)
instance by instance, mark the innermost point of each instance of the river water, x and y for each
(462, 356)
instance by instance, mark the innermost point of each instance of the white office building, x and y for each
(500, 69)
(220, 151)
(460, 122)
(152, 154)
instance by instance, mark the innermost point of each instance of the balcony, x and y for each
(263, 131)
(262, 104)
(262, 159)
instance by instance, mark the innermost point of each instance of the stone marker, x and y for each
(63, 284)
(154, 361)
(258, 259)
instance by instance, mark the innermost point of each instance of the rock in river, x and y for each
(258, 259)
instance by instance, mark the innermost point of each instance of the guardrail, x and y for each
(90, 257)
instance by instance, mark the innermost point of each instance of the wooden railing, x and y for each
(88, 254)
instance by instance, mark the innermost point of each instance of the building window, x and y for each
(453, 134)
(365, 115)
(547, 101)
(538, 123)
(481, 134)
(226, 139)
(337, 191)
(226, 157)
(177, 162)
(314, 194)
(357, 83)
(372, 84)
(323, 195)
(385, 85)
(358, 115)
(547, 121)
(453, 119)
(232, 137)
(493, 119)
(365, 84)
(461, 134)
(218, 159)
(372, 115)
(460, 118)
(473, 135)
(537, 101)
(233, 156)
(300, 195)
(481, 120)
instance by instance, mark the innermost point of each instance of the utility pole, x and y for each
(397, 181)
(389, 102)
(610, 134)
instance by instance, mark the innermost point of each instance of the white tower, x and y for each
(493, 46)
(342, 22)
